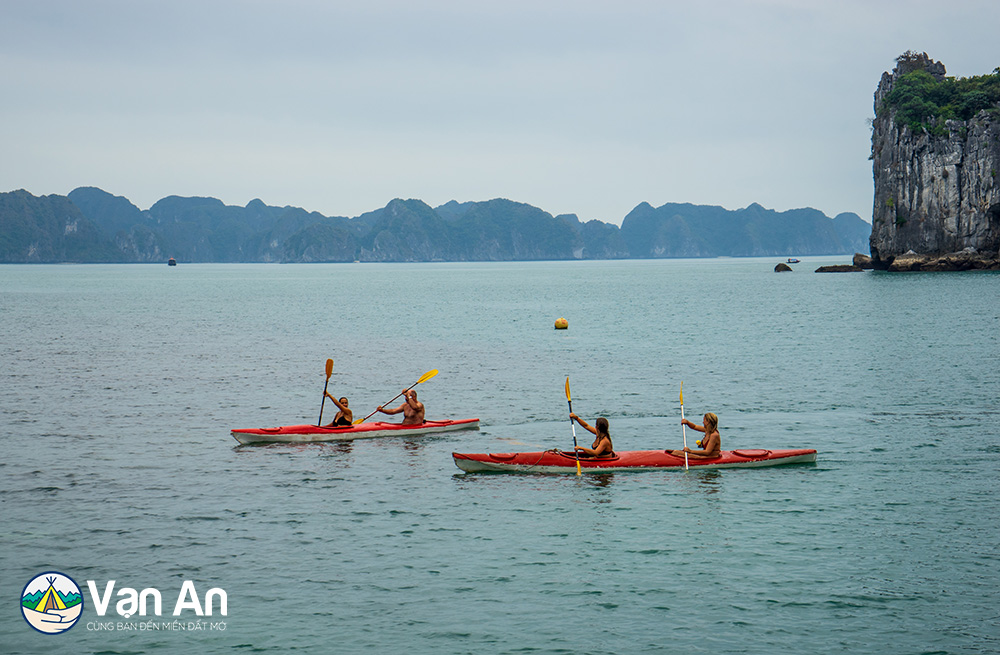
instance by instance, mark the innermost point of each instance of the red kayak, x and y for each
(558, 461)
(311, 433)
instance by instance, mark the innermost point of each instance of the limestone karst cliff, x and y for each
(936, 164)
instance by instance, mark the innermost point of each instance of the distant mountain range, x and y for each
(91, 225)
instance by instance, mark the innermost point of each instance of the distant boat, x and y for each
(171, 262)
(792, 260)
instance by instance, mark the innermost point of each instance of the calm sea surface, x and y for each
(120, 385)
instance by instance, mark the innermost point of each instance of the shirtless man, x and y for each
(413, 411)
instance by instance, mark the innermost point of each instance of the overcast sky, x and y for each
(572, 106)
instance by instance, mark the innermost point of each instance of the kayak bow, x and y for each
(558, 461)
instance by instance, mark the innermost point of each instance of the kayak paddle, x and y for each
(329, 372)
(683, 428)
(423, 378)
(573, 425)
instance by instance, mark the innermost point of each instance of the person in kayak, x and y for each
(345, 416)
(711, 445)
(413, 410)
(602, 446)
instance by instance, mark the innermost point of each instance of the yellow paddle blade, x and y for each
(568, 398)
(427, 376)
(682, 393)
(329, 368)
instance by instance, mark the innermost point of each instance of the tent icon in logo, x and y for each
(51, 603)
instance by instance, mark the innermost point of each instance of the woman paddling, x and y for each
(711, 444)
(345, 416)
(602, 446)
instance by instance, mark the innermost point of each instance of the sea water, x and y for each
(120, 384)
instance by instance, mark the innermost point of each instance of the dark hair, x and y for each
(601, 425)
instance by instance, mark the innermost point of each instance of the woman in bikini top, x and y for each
(602, 446)
(711, 444)
(345, 416)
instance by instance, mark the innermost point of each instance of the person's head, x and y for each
(413, 394)
(601, 425)
(711, 422)
(343, 401)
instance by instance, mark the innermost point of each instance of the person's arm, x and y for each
(693, 426)
(336, 402)
(584, 425)
(397, 410)
(412, 402)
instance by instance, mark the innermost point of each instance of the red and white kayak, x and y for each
(558, 461)
(316, 433)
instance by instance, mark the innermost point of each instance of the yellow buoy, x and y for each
(561, 323)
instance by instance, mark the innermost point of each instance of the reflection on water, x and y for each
(709, 481)
(602, 481)
(336, 448)
(324, 448)
(412, 446)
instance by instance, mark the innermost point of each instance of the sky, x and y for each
(575, 107)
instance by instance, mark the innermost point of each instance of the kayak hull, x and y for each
(316, 433)
(629, 460)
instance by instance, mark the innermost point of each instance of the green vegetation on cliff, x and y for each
(922, 101)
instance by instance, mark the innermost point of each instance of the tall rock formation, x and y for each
(937, 181)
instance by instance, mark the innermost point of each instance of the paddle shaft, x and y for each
(329, 372)
(573, 425)
(569, 401)
(383, 405)
(684, 434)
(320, 421)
